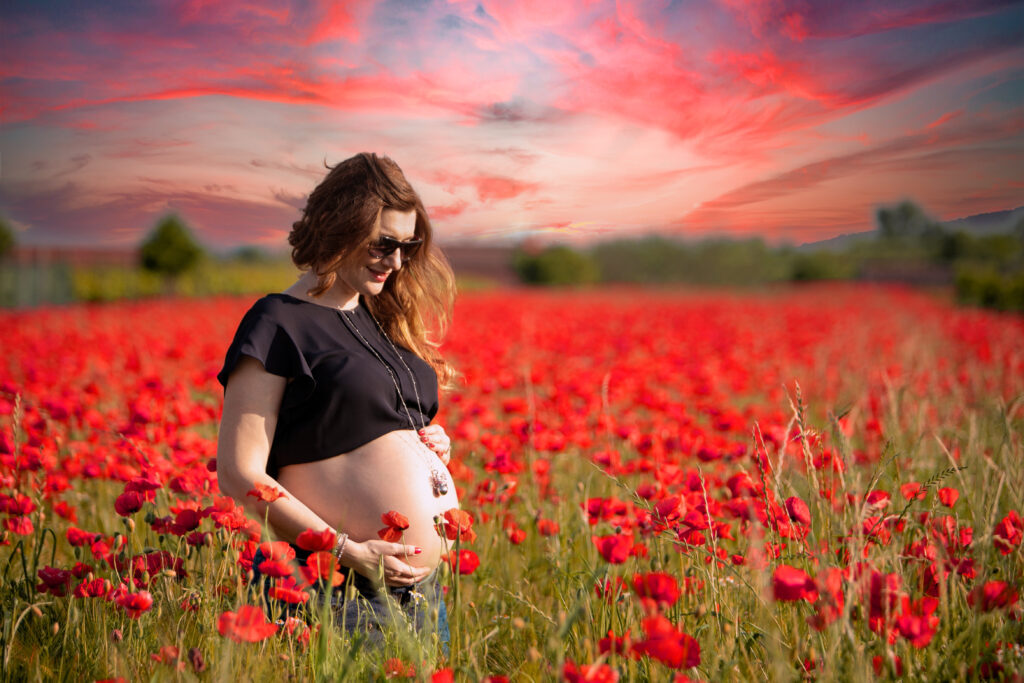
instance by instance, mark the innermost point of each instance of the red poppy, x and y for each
(289, 591)
(614, 548)
(54, 580)
(267, 494)
(790, 583)
(96, 588)
(316, 541)
(798, 511)
(458, 524)
(547, 527)
(667, 644)
(515, 535)
(948, 496)
(135, 604)
(275, 568)
(992, 595)
(445, 675)
(396, 524)
(396, 668)
(322, 566)
(248, 625)
(128, 503)
(466, 561)
(277, 550)
(77, 537)
(1008, 533)
(588, 673)
(657, 588)
(21, 525)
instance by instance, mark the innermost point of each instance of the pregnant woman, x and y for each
(329, 390)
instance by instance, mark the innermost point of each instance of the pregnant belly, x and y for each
(393, 472)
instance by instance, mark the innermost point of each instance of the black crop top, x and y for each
(339, 396)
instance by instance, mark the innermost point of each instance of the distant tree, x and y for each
(250, 254)
(7, 240)
(906, 220)
(558, 265)
(170, 249)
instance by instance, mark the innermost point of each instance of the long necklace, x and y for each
(438, 484)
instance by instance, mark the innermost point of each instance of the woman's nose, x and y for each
(394, 259)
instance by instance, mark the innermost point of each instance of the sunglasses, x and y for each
(386, 245)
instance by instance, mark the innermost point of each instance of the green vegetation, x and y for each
(170, 250)
(6, 238)
(910, 247)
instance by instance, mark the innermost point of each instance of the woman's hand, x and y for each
(435, 438)
(368, 557)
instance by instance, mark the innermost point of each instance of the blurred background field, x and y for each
(978, 260)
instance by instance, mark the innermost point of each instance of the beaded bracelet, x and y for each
(339, 547)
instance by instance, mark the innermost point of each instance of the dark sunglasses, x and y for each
(386, 245)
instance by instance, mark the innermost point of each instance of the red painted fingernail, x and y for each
(418, 551)
(420, 431)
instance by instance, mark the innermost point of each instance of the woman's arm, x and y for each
(252, 400)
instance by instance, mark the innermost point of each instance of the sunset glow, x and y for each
(787, 119)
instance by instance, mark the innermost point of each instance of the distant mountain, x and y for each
(988, 223)
(980, 224)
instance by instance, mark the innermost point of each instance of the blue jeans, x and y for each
(370, 610)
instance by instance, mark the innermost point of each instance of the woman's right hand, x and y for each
(368, 557)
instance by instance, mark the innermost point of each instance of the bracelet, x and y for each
(339, 547)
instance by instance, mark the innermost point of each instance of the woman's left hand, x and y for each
(435, 438)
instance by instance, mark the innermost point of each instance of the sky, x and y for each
(576, 120)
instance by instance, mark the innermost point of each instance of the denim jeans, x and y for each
(370, 610)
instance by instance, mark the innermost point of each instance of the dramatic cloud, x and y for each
(784, 118)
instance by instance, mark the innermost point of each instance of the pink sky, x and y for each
(788, 119)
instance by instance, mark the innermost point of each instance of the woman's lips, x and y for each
(378, 277)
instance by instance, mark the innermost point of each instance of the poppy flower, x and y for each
(278, 551)
(54, 581)
(798, 511)
(76, 537)
(615, 548)
(515, 535)
(948, 496)
(96, 588)
(992, 595)
(445, 675)
(128, 503)
(248, 625)
(657, 588)
(288, 590)
(667, 644)
(396, 524)
(588, 673)
(466, 561)
(458, 524)
(396, 668)
(135, 604)
(1008, 533)
(547, 527)
(790, 583)
(275, 568)
(316, 541)
(913, 491)
(267, 494)
(322, 566)
(21, 525)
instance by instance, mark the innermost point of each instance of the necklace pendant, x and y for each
(438, 484)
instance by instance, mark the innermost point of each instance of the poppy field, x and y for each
(818, 483)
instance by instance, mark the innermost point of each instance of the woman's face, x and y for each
(366, 275)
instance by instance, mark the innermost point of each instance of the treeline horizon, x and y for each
(909, 246)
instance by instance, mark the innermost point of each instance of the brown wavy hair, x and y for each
(342, 216)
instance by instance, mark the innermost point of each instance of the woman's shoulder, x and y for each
(283, 307)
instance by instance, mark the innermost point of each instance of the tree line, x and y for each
(909, 246)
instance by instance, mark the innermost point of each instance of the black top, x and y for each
(339, 396)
